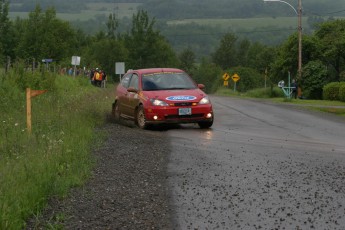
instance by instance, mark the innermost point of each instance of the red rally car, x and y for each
(161, 95)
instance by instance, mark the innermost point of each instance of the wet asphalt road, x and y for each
(260, 166)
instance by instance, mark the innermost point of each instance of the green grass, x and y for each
(57, 155)
(334, 107)
(94, 9)
(255, 93)
(322, 103)
(224, 91)
(238, 24)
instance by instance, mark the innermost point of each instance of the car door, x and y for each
(122, 94)
(132, 96)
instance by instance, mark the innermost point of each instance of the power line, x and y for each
(237, 32)
(336, 12)
(324, 14)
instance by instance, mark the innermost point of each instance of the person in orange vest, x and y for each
(97, 77)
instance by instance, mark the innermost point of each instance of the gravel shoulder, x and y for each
(127, 189)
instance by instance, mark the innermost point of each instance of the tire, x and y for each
(141, 118)
(205, 124)
(116, 111)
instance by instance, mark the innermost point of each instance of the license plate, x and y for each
(184, 111)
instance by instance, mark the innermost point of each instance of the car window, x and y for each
(125, 80)
(167, 81)
(134, 83)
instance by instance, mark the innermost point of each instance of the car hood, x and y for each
(192, 95)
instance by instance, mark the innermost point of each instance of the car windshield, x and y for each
(167, 81)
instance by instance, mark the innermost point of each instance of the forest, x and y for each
(142, 43)
(202, 22)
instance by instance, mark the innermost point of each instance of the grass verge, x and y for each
(57, 155)
(277, 96)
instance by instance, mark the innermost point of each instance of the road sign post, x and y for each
(235, 78)
(75, 62)
(120, 68)
(226, 78)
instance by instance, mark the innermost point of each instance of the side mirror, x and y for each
(201, 86)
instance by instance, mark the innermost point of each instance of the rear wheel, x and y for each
(141, 118)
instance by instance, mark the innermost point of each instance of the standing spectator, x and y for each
(97, 77)
(70, 71)
(92, 72)
(294, 88)
(104, 79)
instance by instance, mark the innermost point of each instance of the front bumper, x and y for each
(168, 114)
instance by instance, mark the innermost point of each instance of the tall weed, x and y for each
(56, 156)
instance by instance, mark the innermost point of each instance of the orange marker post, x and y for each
(29, 94)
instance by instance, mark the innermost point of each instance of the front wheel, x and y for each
(205, 124)
(141, 118)
(116, 111)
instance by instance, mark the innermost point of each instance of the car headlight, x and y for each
(204, 101)
(157, 102)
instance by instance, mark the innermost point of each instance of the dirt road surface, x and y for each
(260, 166)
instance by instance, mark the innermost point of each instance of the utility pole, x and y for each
(299, 39)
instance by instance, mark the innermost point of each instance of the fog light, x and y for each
(209, 115)
(155, 117)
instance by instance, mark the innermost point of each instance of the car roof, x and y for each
(157, 70)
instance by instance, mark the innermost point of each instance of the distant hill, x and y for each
(239, 9)
(198, 24)
(187, 9)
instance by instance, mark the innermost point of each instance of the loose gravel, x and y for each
(127, 189)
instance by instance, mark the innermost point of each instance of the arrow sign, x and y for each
(235, 77)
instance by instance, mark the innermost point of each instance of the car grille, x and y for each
(183, 104)
(199, 115)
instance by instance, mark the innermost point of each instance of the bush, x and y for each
(342, 91)
(331, 91)
(265, 93)
(314, 79)
(249, 78)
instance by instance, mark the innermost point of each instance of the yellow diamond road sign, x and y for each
(226, 76)
(235, 77)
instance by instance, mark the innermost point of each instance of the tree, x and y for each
(332, 40)
(42, 35)
(104, 53)
(287, 56)
(187, 60)
(208, 74)
(112, 25)
(147, 48)
(250, 78)
(226, 54)
(6, 33)
(260, 57)
(242, 52)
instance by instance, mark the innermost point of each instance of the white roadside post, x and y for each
(75, 62)
(120, 68)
